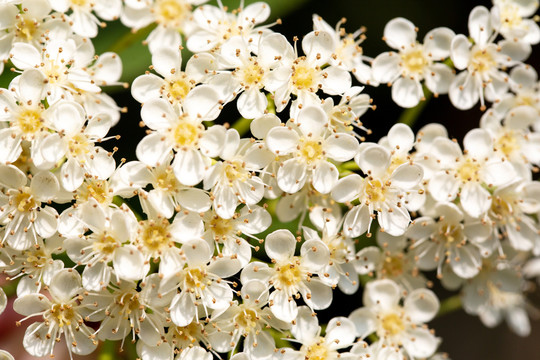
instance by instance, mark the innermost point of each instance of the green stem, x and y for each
(242, 126)
(130, 38)
(450, 305)
(108, 351)
(409, 116)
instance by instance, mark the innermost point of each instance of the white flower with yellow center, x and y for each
(247, 320)
(31, 22)
(62, 65)
(201, 282)
(159, 239)
(249, 72)
(82, 20)
(169, 15)
(396, 325)
(482, 62)
(234, 180)
(174, 84)
(308, 142)
(339, 334)
(180, 130)
(211, 26)
(468, 173)
(496, 294)
(413, 62)
(514, 20)
(75, 140)
(35, 266)
(348, 53)
(125, 307)
(110, 229)
(226, 235)
(382, 191)
(21, 210)
(185, 340)
(303, 76)
(62, 315)
(292, 276)
(449, 239)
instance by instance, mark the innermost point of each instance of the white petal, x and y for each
(437, 42)
(202, 102)
(321, 294)
(421, 305)
(182, 309)
(252, 103)
(336, 80)
(386, 67)
(325, 176)
(384, 293)
(292, 175)
(374, 160)
(480, 28)
(365, 321)
(146, 87)
(282, 307)
(420, 342)
(347, 188)
(478, 143)
(401, 136)
(357, 221)
(36, 342)
(282, 140)
(65, 285)
(407, 176)
(280, 245)
(340, 332)
(129, 263)
(311, 120)
(399, 33)
(341, 147)
(315, 255)
(460, 51)
(407, 92)
(318, 46)
(438, 78)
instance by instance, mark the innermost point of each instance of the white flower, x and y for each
(339, 334)
(292, 276)
(348, 53)
(482, 62)
(467, 173)
(234, 180)
(398, 325)
(174, 84)
(212, 26)
(449, 239)
(201, 281)
(414, 62)
(181, 130)
(304, 75)
(61, 316)
(21, 207)
(382, 191)
(81, 19)
(310, 145)
(169, 15)
(496, 294)
(514, 21)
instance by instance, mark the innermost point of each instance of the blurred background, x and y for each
(463, 336)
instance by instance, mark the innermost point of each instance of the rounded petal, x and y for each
(399, 33)
(421, 305)
(407, 92)
(129, 263)
(382, 293)
(280, 245)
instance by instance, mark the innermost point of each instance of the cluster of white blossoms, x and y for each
(223, 241)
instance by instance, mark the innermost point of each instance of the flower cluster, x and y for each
(218, 241)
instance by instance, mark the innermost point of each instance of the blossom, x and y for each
(398, 325)
(414, 62)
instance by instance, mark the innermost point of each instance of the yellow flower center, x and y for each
(392, 324)
(311, 150)
(194, 279)
(186, 134)
(252, 75)
(375, 191)
(414, 61)
(508, 143)
(166, 180)
(63, 314)
(246, 319)
(129, 302)
(186, 334)
(501, 208)
(178, 88)
(30, 121)
(451, 233)
(510, 17)
(221, 227)
(304, 76)
(289, 274)
(155, 236)
(317, 351)
(235, 171)
(26, 28)
(96, 189)
(79, 145)
(393, 266)
(24, 200)
(469, 170)
(81, 3)
(171, 13)
(105, 244)
(35, 258)
(482, 61)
